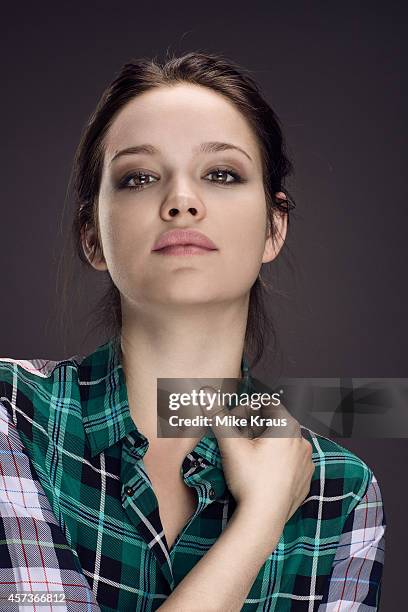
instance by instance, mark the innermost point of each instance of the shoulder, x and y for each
(28, 386)
(338, 471)
(36, 369)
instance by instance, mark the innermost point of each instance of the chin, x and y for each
(186, 297)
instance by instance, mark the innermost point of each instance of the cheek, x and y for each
(247, 227)
(122, 237)
(244, 241)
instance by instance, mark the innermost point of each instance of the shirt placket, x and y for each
(209, 482)
(140, 503)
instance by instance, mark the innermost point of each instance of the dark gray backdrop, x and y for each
(334, 73)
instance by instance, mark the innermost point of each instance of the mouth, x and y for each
(184, 249)
(184, 242)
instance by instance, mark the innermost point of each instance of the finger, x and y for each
(269, 416)
(227, 421)
(278, 422)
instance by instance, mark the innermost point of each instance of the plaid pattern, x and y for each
(34, 553)
(78, 513)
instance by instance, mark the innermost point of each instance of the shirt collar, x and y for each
(105, 407)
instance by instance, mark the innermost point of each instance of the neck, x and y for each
(194, 342)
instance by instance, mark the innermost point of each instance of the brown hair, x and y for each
(223, 76)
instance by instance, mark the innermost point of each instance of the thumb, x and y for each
(228, 423)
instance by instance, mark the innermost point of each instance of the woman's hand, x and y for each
(269, 478)
(268, 475)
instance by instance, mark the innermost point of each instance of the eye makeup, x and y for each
(231, 176)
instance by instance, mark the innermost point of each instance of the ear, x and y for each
(92, 251)
(274, 245)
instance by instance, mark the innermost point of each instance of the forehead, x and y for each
(180, 116)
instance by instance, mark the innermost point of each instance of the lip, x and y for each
(184, 242)
(184, 249)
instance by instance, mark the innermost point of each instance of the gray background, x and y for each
(333, 72)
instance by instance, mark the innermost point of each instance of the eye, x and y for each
(140, 176)
(221, 174)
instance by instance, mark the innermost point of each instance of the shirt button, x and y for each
(129, 491)
(195, 463)
(211, 493)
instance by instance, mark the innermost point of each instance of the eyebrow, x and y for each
(204, 147)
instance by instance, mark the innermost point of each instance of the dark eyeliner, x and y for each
(122, 184)
(237, 177)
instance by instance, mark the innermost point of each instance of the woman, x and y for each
(180, 154)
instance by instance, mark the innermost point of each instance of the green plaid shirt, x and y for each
(77, 504)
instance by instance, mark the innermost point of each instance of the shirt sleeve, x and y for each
(34, 553)
(354, 584)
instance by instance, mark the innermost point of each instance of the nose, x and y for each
(175, 211)
(182, 202)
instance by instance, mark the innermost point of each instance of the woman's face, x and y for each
(178, 169)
